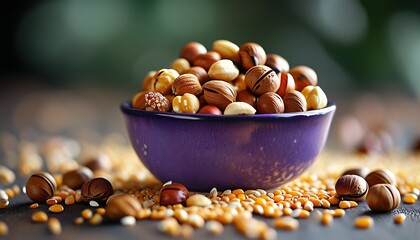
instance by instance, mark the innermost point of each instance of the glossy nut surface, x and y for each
(96, 189)
(40, 187)
(304, 76)
(315, 97)
(122, 205)
(351, 187)
(252, 54)
(261, 79)
(227, 50)
(205, 60)
(191, 50)
(163, 79)
(277, 63)
(76, 178)
(381, 176)
(186, 83)
(270, 103)
(200, 73)
(239, 108)
(187, 103)
(219, 93)
(383, 197)
(174, 193)
(287, 84)
(248, 97)
(294, 102)
(223, 70)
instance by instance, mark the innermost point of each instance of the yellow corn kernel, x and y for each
(56, 208)
(54, 226)
(399, 218)
(344, 204)
(326, 219)
(363, 222)
(39, 216)
(333, 200)
(286, 223)
(339, 212)
(353, 204)
(410, 198)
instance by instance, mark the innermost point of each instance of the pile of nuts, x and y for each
(230, 80)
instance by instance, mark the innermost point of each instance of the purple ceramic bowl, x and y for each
(227, 152)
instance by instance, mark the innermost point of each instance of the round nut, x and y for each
(304, 76)
(270, 103)
(223, 70)
(287, 84)
(277, 63)
(351, 187)
(294, 102)
(163, 79)
(187, 103)
(381, 176)
(239, 108)
(186, 83)
(359, 171)
(98, 162)
(191, 50)
(227, 50)
(219, 93)
(383, 197)
(205, 60)
(139, 101)
(200, 73)
(76, 178)
(210, 109)
(315, 97)
(261, 79)
(181, 65)
(96, 189)
(147, 84)
(122, 205)
(248, 97)
(252, 54)
(174, 193)
(239, 82)
(40, 187)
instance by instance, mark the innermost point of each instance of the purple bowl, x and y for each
(227, 152)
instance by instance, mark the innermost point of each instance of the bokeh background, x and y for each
(65, 66)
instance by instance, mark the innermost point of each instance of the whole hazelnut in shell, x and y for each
(351, 187)
(261, 79)
(383, 197)
(270, 102)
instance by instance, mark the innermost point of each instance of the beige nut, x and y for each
(227, 49)
(181, 65)
(163, 79)
(186, 83)
(139, 101)
(188, 103)
(239, 108)
(147, 84)
(315, 97)
(223, 70)
(239, 82)
(219, 93)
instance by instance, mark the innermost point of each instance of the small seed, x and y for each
(399, 218)
(410, 198)
(363, 222)
(214, 227)
(286, 223)
(4, 203)
(101, 211)
(10, 193)
(186, 231)
(353, 204)
(327, 219)
(195, 220)
(333, 200)
(39, 217)
(128, 221)
(300, 213)
(3, 195)
(268, 234)
(287, 211)
(87, 214)
(198, 200)
(54, 226)
(4, 229)
(309, 206)
(93, 203)
(325, 203)
(51, 201)
(56, 208)
(169, 226)
(69, 200)
(34, 205)
(78, 220)
(96, 219)
(339, 212)
(344, 204)
(16, 189)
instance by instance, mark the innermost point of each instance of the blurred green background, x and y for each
(366, 53)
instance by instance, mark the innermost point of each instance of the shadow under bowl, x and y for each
(227, 152)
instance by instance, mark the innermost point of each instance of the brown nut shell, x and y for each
(174, 193)
(122, 205)
(248, 97)
(191, 50)
(277, 63)
(186, 83)
(381, 176)
(40, 187)
(294, 102)
(383, 198)
(207, 59)
(287, 84)
(96, 189)
(270, 103)
(210, 109)
(219, 93)
(351, 187)
(252, 54)
(261, 79)
(359, 171)
(200, 73)
(138, 101)
(98, 162)
(76, 178)
(304, 76)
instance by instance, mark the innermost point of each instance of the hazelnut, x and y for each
(351, 187)
(191, 50)
(187, 103)
(174, 193)
(239, 108)
(99, 162)
(210, 109)
(360, 171)
(219, 93)
(138, 101)
(122, 205)
(270, 103)
(381, 176)
(223, 70)
(205, 60)
(181, 65)
(287, 84)
(315, 97)
(147, 84)
(155, 101)
(227, 50)
(239, 82)
(163, 79)
(304, 76)
(383, 198)
(76, 178)
(96, 189)
(248, 97)
(261, 79)
(200, 73)
(40, 187)
(294, 102)
(186, 83)
(277, 63)
(252, 54)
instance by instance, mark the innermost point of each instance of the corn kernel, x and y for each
(286, 223)
(363, 222)
(410, 198)
(54, 226)
(326, 219)
(344, 204)
(39, 217)
(56, 208)
(399, 218)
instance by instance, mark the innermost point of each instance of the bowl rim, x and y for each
(127, 108)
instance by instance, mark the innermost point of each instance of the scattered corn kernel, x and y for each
(410, 198)
(69, 200)
(56, 208)
(54, 226)
(101, 211)
(4, 229)
(87, 214)
(339, 212)
(4, 203)
(353, 204)
(78, 220)
(363, 222)
(96, 219)
(399, 218)
(344, 204)
(214, 227)
(327, 219)
(51, 201)
(34, 205)
(286, 223)
(39, 216)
